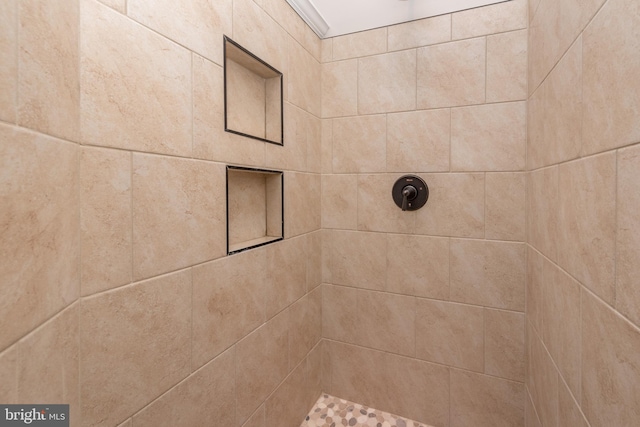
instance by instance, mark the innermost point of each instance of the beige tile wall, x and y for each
(423, 312)
(114, 249)
(583, 328)
(116, 295)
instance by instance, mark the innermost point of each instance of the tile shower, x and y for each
(510, 299)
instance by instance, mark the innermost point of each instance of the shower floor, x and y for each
(331, 411)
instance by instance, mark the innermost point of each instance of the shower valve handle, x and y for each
(408, 193)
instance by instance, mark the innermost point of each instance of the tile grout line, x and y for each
(16, 108)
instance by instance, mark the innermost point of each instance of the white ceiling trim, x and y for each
(311, 15)
(330, 18)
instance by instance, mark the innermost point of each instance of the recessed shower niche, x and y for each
(252, 95)
(254, 208)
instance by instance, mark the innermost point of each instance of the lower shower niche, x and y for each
(254, 208)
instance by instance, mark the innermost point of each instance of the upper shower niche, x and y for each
(330, 18)
(252, 95)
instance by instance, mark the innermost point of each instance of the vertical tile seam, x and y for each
(132, 212)
(484, 206)
(16, 107)
(615, 230)
(486, 65)
(235, 377)
(192, 73)
(415, 92)
(450, 138)
(484, 340)
(191, 364)
(80, 149)
(450, 403)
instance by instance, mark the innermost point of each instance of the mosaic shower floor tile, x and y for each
(331, 411)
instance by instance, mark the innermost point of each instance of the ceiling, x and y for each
(330, 18)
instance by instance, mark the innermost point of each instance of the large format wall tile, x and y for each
(314, 386)
(262, 363)
(305, 75)
(314, 259)
(339, 207)
(531, 418)
(496, 18)
(8, 59)
(283, 14)
(287, 274)
(135, 340)
(198, 25)
(489, 137)
(504, 346)
(455, 206)
(371, 319)
(376, 209)
(340, 88)
(555, 113)
(299, 131)
(105, 219)
(439, 87)
(39, 223)
(535, 276)
(544, 48)
(451, 334)
(302, 201)
(205, 398)
(314, 144)
(542, 380)
(505, 206)
(178, 213)
(418, 390)
(387, 83)
(386, 322)
(305, 326)
(9, 376)
(357, 259)
(488, 273)
(48, 84)
(611, 66)
(210, 141)
(569, 413)
(119, 5)
(610, 366)
(326, 146)
(256, 419)
(563, 108)
(418, 265)
(228, 302)
(542, 208)
(628, 234)
(423, 32)
(289, 404)
(507, 67)
(340, 313)
(135, 84)
(561, 323)
(587, 222)
(553, 29)
(364, 43)
(359, 144)
(254, 29)
(418, 141)
(48, 368)
(484, 401)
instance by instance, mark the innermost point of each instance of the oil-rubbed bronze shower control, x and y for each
(410, 193)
